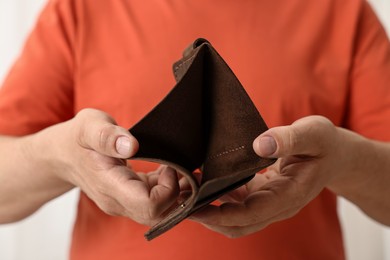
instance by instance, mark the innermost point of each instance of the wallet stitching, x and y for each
(226, 152)
(190, 59)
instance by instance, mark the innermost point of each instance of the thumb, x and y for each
(308, 136)
(98, 131)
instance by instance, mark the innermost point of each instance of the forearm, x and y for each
(27, 178)
(366, 183)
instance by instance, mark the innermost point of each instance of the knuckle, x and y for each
(106, 137)
(294, 138)
(87, 113)
(310, 135)
(83, 123)
(320, 125)
(288, 138)
(91, 112)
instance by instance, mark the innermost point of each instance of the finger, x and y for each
(237, 195)
(307, 137)
(242, 192)
(239, 231)
(142, 202)
(229, 214)
(185, 183)
(98, 131)
(275, 197)
(109, 188)
(165, 193)
(152, 177)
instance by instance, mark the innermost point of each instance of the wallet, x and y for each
(206, 123)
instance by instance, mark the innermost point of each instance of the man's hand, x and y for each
(90, 152)
(96, 149)
(313, 154)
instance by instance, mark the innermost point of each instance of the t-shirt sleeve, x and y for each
(38, 91)
(369, 100)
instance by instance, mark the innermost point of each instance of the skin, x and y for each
(89, 151)
(313, 155)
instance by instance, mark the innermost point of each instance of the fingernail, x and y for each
(267, 145)
(123, 146)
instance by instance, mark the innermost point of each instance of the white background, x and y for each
(46, 234)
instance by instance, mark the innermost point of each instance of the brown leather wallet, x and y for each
(208, 123)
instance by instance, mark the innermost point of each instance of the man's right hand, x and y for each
(90, 152)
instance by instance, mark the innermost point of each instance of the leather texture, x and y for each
(208, 123)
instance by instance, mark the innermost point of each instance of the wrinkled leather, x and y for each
(208, 123)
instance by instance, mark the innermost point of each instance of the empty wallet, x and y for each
(207, 122)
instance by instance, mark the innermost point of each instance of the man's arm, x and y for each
(22, 181)
(89, 152)
(366, 183)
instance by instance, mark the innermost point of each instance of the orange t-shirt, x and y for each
(294, 58)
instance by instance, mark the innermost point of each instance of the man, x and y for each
(295, 59)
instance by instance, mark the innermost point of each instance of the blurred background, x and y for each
(46, 234)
